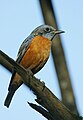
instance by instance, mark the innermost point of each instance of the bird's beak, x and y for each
(59, 32)
(55, 32)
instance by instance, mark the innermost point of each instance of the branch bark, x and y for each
(64, 80)
(5, 63)
(44, 96)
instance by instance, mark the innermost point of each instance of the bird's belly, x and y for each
(36, 55)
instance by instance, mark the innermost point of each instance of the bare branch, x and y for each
(44, 96)
(5, 63)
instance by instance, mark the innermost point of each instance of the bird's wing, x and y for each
(23, 48)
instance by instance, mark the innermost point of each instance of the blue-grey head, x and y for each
(46, 31)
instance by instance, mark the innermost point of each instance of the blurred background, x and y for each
(17, 20)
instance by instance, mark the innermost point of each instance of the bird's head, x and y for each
(46, 31)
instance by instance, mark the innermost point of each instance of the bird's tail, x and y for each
(10, 95)
(8, 98)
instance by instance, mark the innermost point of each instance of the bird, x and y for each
(33, 54)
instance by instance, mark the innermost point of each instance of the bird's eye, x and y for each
(47, 29)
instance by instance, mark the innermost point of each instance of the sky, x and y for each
(17, 20)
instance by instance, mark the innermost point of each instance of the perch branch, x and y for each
(44, 96)
(5, 63)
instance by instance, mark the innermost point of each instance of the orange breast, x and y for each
(37, 52)
(35, 56)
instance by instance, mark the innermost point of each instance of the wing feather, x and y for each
(23, 48)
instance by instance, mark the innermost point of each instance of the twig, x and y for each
(41, 110)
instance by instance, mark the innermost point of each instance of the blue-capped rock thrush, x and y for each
(33, 54)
